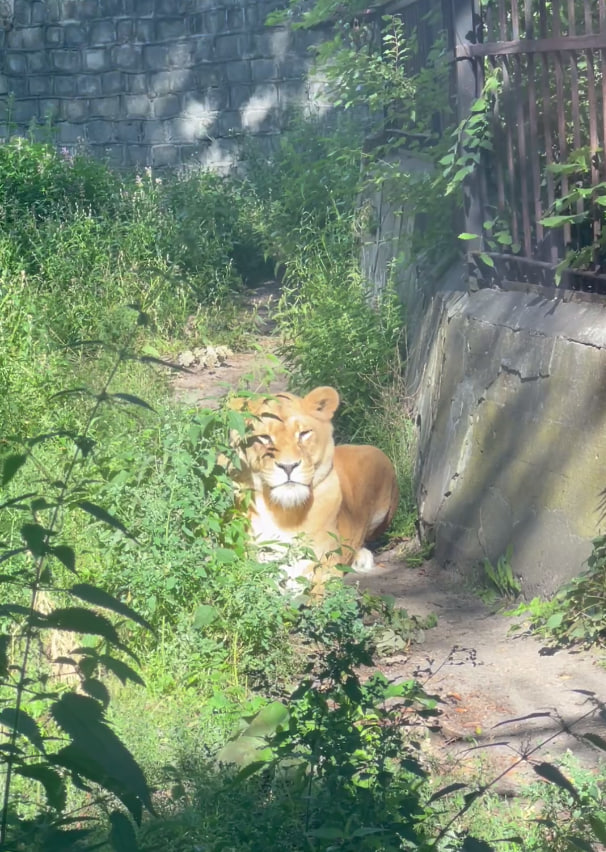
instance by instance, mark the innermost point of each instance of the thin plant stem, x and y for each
(29, 630)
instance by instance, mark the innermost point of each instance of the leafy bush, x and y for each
(83, 240)
(51, 734)
(189, 571)
(310, 181)
(576, 615)
(327, 766)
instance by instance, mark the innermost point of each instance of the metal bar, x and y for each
(561, 141)
(602, 16)
(533, 128)
(593, 124)
(548, 267)
(547, 132)
(522, 159)
(591, 41)
(509, 119)
(591, 96)
(502, 21)
(574, 79)
(574, 89)
(498, 157)
(515, 20)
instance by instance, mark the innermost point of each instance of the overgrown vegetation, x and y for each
(102, 276)
(576, 614)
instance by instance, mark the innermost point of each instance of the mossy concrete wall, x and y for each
(508, 391)
(510, 403)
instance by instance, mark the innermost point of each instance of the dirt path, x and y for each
(257, 370)
(483, 675)
(486, 676)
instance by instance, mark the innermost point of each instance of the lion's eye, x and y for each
(303, 436)
(264, 439)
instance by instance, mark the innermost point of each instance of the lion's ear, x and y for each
(322, 402)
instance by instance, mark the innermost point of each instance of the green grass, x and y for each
(102, 272)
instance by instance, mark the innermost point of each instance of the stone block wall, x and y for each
(151, 82)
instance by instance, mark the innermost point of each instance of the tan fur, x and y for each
(334, 499)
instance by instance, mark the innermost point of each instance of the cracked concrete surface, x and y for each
(510, 390)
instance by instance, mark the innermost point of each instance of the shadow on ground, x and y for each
(490, 681)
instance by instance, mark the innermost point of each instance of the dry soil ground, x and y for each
(494, 688)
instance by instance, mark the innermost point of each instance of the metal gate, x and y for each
(549, 134)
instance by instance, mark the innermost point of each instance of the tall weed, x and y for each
(190, 572)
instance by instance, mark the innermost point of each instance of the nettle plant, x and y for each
(57, 643)
(582, 208)
(334, 746)
(473, 140)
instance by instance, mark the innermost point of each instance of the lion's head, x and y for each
(290, 448)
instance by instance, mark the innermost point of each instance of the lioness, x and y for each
(334, 499)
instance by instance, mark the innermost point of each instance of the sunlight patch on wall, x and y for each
(218, 157)
(279, 44)
(197, 120)
(259, 107)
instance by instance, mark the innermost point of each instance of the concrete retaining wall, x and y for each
(509, 396)
(151, 82)
(511, 411)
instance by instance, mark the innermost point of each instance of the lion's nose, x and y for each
(288, 467)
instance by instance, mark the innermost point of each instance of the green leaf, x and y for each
(462, 173)
(252, 769)
(81, 620)
(23, 724)
(98, 597)
(122, 671)
(93, 687)
(12, 464)
(53, 783)
(101, 514)
(599, 827)
(96, 747)
(5, 642)
(479, 105)
(244, 751)
(558, 221)
(554, 620)
(552, 774)
(467, 236)
(134, 400)
(486, 258)
(503, 238)
(205, 615)
(224, 556)
(122, 836)
(268, 720)
(65, 555)
(595, 740)
(35, 536)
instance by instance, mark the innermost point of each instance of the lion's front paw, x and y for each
(363, 561)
